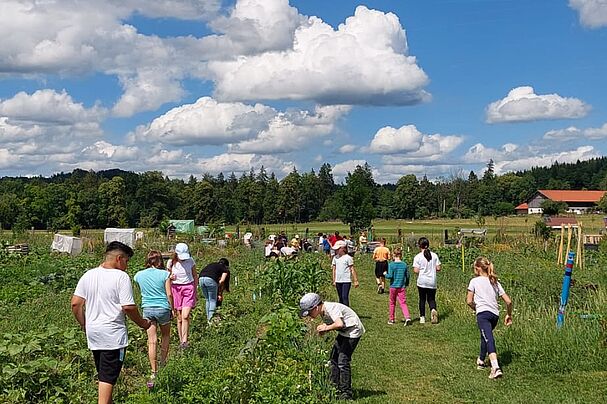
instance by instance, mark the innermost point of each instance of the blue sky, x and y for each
(435, 87)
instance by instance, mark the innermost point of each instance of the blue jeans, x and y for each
(160, 315)
(486, 323)
(209, 291)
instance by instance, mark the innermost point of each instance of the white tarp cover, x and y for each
(126, 236)
(67, 244)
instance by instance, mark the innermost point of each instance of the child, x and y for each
(343, 272)
(349, 329)
(398, 274)
(426, 264)
(483, 291)
(381, 255)
(184, 281)
(156, 300)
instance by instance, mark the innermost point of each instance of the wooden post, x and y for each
(569, 234)
(463, 257)
(559, 259)
(578, 255)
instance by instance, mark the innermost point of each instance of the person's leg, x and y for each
(334, 364)
(346, 293)
(339, 289)
(165, 331)
(213, 288)
(422, 302)
(346, 349)
(185, 323)
(152, 344)
(205, 294)
(483, 325)
(105, 393)
(179, 326)
(392, 306)
(402, 300)
(431, 296)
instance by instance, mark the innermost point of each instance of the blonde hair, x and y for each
(486, 267)
(154, 260)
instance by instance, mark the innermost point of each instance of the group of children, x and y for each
(482, 297)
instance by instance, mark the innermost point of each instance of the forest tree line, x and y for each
(116, 198)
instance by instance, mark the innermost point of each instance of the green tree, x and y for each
(357, 198)
(290, 198)
(602, 204)
(550, 207)
(112, 203)
(406, 196)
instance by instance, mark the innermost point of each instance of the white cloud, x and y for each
(207, 122)
(593, 13)
(345, 167)
(364, 61)
(348, 148)
(522, 104)
(292, 131)
(511, 157)
(242, 163)
(408, 145)
(572, 133)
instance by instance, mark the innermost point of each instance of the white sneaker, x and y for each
(407, 322)
(434, 316)
(422, 320)
(495, 373)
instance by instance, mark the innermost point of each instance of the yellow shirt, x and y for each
(381, 254)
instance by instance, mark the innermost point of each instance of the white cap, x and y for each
(308, 302)
(182, 250)
(339, 244)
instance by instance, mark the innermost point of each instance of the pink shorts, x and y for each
(184, 295)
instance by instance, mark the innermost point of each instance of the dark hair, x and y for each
(336, 233)
(154, 259)
(424, 244)
(398, 252)
(118, 246)
(224, 262)
(319, 234)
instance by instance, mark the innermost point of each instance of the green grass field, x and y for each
(251, 357)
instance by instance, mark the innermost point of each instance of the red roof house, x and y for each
(577, 201)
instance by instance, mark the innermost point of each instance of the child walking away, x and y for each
(483, 292)
(398, 274)
(343, 272)
(381, 255)
(346, 322)
(157, 301)
(184, 281)
(426, 264)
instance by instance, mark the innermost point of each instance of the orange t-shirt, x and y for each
(381, 254)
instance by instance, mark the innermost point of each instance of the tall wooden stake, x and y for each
(559, 259)
(569, 234)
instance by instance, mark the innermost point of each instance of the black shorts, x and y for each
(109, 364)
(380, 268)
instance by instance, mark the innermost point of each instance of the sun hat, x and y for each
(339, 244)
(182, 251)
(308, 302)
(297, 236)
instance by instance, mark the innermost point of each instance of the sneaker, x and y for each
(151, 381)
(391, 322)
(378, 289)
(407, 321)
(480, 365)
(495, 373)
(434, 315)
(381, 290)
(422, 320)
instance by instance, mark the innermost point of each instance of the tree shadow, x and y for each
(365, 317)
(364, 393)
(505, 358)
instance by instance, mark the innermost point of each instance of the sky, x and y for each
(188, 87)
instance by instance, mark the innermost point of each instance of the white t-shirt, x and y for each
(182, 271)
(485, 294)
(287, 251)
(268, 250)
(343, 272)
(321, 239)
(105, 292)
(427, 270)
(353, 327)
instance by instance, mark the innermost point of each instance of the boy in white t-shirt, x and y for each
(343, 272)
(340, 318)
(107, 293)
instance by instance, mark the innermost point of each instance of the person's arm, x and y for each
(78, 310)
(438, 264)
(195, 275)
(470, 300)
(338, 324)
(167, 288)
(132, 312)
(354, 276)
(333, 271)
(508, 301)
(223, 278)
(438, 268)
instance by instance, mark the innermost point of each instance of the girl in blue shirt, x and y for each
(399, 279)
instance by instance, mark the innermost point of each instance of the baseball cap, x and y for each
(308, 302)
(182, 251)
(339, 244)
